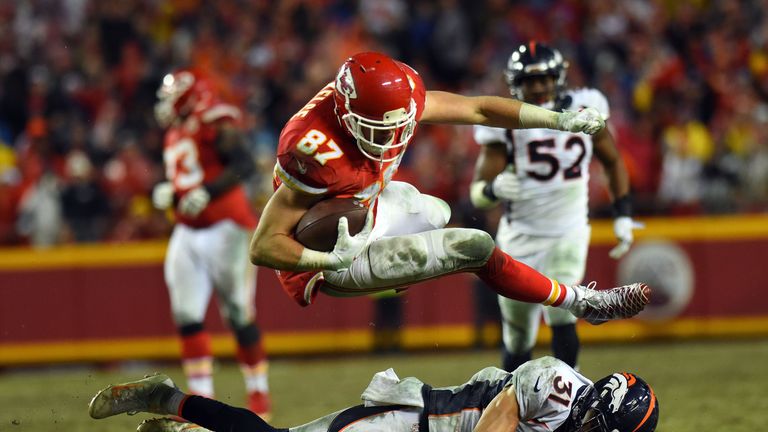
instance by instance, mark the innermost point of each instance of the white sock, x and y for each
(570, 297)
(255, 377)
(199, 373)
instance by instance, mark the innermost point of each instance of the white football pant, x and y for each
(201, 260)
(408, 244)
(561, 258)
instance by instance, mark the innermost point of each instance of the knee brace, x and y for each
(190, 329)
(246, 335)
(510, 361)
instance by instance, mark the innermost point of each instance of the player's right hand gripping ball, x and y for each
(318, 228)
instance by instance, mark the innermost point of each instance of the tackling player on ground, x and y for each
(348, 141)
(542, 395)
(206, 162)
(541, 175)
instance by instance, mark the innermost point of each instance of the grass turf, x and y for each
(701, 385)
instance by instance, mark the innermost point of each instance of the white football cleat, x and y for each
(168, 425)
(599, 306)
(144, 395)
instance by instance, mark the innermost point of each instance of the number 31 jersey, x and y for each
(545, 390)
(553, 169)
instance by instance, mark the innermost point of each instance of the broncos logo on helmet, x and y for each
(621, 402)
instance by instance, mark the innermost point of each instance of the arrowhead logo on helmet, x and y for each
(373, 95)
(345, 85)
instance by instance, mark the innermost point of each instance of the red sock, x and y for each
(196, 345)
(197, 363)
(251, 355)
(517, 281)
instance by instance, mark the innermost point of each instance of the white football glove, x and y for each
(622, 228)
(348, 247)
(194, 202)
(162, 195)
(506, 186)
(587, 120)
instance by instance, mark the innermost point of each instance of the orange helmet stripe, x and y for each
(651, 406)
(630, 379)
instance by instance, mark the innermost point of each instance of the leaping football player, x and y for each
(348, 141)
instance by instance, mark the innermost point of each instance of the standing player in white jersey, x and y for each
(541, 175)
(206, 162)
(542, 395)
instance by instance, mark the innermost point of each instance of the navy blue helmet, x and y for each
(534, 59)
(621, 402)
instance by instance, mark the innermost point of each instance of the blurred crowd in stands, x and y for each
(79, 149)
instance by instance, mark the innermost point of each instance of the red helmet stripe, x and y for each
(651, 406)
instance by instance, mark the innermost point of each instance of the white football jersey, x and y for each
(545, 389)
(553, 169)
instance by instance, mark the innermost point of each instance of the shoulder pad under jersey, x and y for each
(589, 97)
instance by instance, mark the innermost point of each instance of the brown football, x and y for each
(318, 228)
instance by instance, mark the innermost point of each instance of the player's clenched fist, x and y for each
(587, 120)
(194, 201)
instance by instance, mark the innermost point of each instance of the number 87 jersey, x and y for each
(553, 169)
(317, 156)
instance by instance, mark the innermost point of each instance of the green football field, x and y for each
(702, 386)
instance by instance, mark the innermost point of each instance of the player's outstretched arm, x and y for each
(495, 111)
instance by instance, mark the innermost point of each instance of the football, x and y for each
(318, 228)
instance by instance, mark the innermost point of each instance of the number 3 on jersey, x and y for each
(313, 140)
(182, 164)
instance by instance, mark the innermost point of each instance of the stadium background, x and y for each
(81, 281)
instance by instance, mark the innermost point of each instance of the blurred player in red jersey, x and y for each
(205, 163)
(348, 142)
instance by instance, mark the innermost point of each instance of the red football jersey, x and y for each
(191, 159)
(316, 155)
